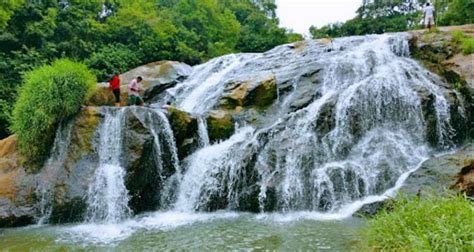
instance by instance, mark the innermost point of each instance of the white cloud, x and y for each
(299, 15)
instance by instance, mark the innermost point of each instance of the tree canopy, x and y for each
(116, 35)
(379, 16)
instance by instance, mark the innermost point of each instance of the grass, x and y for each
(433, 223)
(467, 46)
(466, 42)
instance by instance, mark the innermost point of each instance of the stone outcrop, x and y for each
(442, 55)
(59, 189)
(451, 171)
(157, 77)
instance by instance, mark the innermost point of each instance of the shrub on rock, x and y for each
(50, 95)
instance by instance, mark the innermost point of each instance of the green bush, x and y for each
(433, 223)
(457, 36)
(111, 59)
(467, 45)
(50, 95)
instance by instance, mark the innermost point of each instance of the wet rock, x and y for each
(220, 125)
(372, 209)
(70, 171)
(140, 159)
(442, 55)
(326, 120)
(251, 93)
(263, 95)
(185, 131)
(439, 173)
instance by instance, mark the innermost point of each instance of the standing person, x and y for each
(428, 16)
(133, 95)
(114, 84)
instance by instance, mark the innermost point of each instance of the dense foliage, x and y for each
(435, 223)
(379, 16)
(116, 35)
(50, 95)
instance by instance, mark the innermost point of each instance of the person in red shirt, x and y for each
(114, 84)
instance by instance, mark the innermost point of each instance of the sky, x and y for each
(299, 15)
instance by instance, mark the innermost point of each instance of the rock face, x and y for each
(451, 171)
(59, 191)
(442, 55)
(15, 203)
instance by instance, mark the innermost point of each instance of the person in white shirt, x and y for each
(133, 94)
(428, 14)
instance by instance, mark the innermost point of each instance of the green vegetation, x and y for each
(467, 46)
(50, 95)
(379, 16)
(116, 35)
(433, 223)
(466, 43)
(110, 59)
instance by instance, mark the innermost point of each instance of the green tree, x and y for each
(112, 59)
(7, 8)
(458, 12)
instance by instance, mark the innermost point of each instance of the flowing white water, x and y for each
(202, 89)
(299, 163)
(202, 132)
(107, 196)
(57, 159)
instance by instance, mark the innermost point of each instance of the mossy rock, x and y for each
(263, 95)
(83, 129)
(182, 123)
(220, 125)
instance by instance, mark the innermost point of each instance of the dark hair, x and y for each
(139, 78)
(427, 4)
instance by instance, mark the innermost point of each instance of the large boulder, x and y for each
(16, 203)
(157, 77)
(185, 130)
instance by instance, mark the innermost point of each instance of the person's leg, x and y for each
(117, 97)
(140, 101)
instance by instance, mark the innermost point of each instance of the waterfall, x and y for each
(203, 88)
(107, 197)
(57, 159)
(202, 132)
(202, 180)
(363, 129)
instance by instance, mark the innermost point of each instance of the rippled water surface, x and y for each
(217, 231)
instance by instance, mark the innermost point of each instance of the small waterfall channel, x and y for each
(107, 197)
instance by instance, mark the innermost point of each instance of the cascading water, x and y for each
(203, 88)
(107, 196)
(202, 132)
(362, 130)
